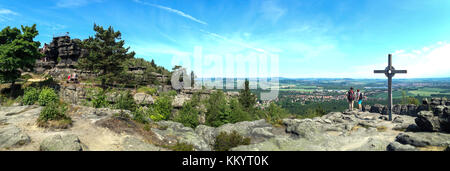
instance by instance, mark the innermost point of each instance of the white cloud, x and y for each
(429, 61)
(272, 11)
(7, 12)
(235, 42)
(74, 3)
(178, 12)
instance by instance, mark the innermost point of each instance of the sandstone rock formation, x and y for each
(69, 142)
(93, 129)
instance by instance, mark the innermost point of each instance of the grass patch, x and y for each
(147, 90)
(432, 148)
(226, 141)
(54, 116)
(381, 128)
(180, 147)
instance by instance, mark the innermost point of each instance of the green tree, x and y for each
(192, 79)
(106, 54)
(238, 114)
(275, 113)
(188, 115)
(217, 110)
(246, 98)
(18, 52)
(162, 108)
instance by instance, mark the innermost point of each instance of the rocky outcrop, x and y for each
(64, 51)
(179, 100)
(410, 109)
(434, 121)
(97, 113)
(12, 136)
(68, 142)
(134, 144)
(73, 94)
(174, 132)
(396, 146)
(143, 99)
(336, 131)
(377, 108)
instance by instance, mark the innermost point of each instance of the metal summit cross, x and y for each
(390, 72)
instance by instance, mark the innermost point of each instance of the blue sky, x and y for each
(320, 38)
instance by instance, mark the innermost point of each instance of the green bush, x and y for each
(225, 141)
(181, 147)
(274, 113)
(170, 93)
(218, 112)
(30, 96)
(238, 114)
(98, 98)
(54, 115)
(125, 101)
(162, 108)
(188, 115)
(140, 115)
(47, 96)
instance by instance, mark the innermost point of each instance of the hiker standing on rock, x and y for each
(350, 98)
(360, 97)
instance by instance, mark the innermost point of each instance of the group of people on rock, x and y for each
(72, 78)
(352, 96)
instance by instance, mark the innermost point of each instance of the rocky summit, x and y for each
(98, 130)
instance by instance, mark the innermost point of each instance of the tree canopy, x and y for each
(18, 52)
(246, 98)
(106, 54)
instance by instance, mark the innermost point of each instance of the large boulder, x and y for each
(173, 132)
(396, 146)
(179, 100)
(377, 108)
(12, 136)
(245, 128)
(207, 133)
(427, 122)
(69, 142)
(143, 99)
(424, 139)
(434, 122)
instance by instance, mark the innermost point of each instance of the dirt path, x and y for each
(94, 137)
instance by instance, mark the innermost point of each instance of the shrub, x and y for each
(237, 112)
(170, 93)
(140, 115)
(47, 96)
(181, 147)
(54, 115)
(98, 98)
(225, 141)
(125, 101)
(188, 115)
(162, 108)
(218, 112)
(147, 90)
(274, 114)
(30, 96)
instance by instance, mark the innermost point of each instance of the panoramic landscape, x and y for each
(269, 75)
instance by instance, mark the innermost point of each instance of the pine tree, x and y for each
(18, 51)
(106, 54)
(246, 98)
(192, 79)
(218, 112)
